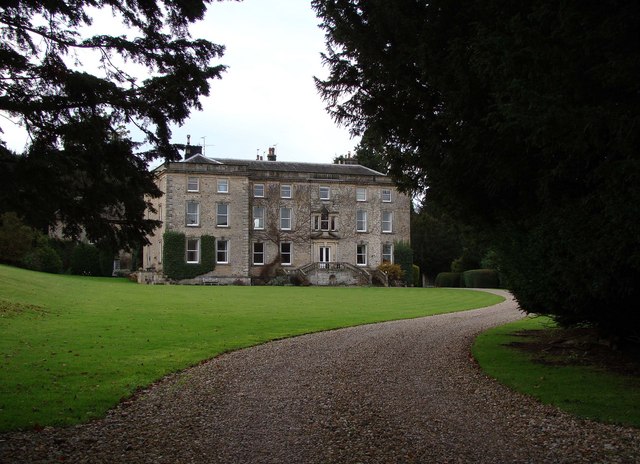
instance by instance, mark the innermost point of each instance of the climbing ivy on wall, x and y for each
(174, 256)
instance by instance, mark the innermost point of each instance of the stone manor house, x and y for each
(331, 223)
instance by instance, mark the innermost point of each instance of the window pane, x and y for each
(258, 190)
(285, 191)
(223, 185)
(258, 253)
(222, 218)
(258, 217)
(361, 194)
(324, 193)
(387, 221)
(361, 221)
(222, 251)
(193, 214)
(193, 250)
(387, 253)
(361, 255)
(193, 184)
(285, 218)
(386, 195)
(285, 253)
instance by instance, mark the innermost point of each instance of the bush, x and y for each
(393, 271)
(174, 256)
(448, 279)
(85, 260)
(43, 258)
(16, 239)
(403, 256)
(417, 282)
(480, 278)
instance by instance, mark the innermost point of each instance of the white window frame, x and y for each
(190, 187)
(195, 250)
(361, 254)
(387, 222)
(286, 225)
(390, 254)
(220, 215)
(258, 253)
(223, 186)
(286, 191)
(386, 195)
(258, 190)
(225, 252)
(189, 215)
(327, 189)
(258, 217)
(361, 194)
(289, 253)
(361, 219)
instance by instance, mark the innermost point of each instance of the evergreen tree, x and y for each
(522, 119)
(73, 90)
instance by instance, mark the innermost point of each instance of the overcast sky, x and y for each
(267, 96)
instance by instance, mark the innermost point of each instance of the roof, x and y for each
(287, 166)
(200, 159)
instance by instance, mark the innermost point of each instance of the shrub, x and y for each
(43, 258)
(448, 279)
(416, 276)
(174, 256)
(85, 260)
(403, 256)
(480, 278)
(16, 239)
(393, 271)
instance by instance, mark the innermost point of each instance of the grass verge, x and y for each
(587, 391)
(72, 347)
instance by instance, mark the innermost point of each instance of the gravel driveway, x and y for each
(397, 392)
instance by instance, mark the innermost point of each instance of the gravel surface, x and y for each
(397, 392)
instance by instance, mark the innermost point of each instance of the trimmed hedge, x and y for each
(416, 276)
(480, 278)
(174, 256)
(448, 279)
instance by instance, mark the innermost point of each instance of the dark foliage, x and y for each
(522, 120)
(448, 279)
(174, 260)
(16, 239)
(480, 278)
(85, 260)
(403, 256)
(80, 166)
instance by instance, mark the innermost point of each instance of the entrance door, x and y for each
(325, 256)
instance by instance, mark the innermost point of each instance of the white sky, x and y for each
(267, 97)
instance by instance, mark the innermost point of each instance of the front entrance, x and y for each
(324, 253)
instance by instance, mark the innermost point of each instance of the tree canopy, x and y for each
(520, 118)
(76, 91)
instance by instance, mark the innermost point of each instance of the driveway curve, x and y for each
(396, 392)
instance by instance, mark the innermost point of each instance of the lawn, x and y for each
(72, 347)
(585, 390)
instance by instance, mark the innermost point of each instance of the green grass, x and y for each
(72, 347)
(585, 391)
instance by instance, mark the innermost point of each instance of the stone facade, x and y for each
(267, 215)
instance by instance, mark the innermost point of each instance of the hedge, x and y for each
(480, 278)
(448, 279)
(174, 256)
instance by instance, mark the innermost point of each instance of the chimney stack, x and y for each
(272, 154)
